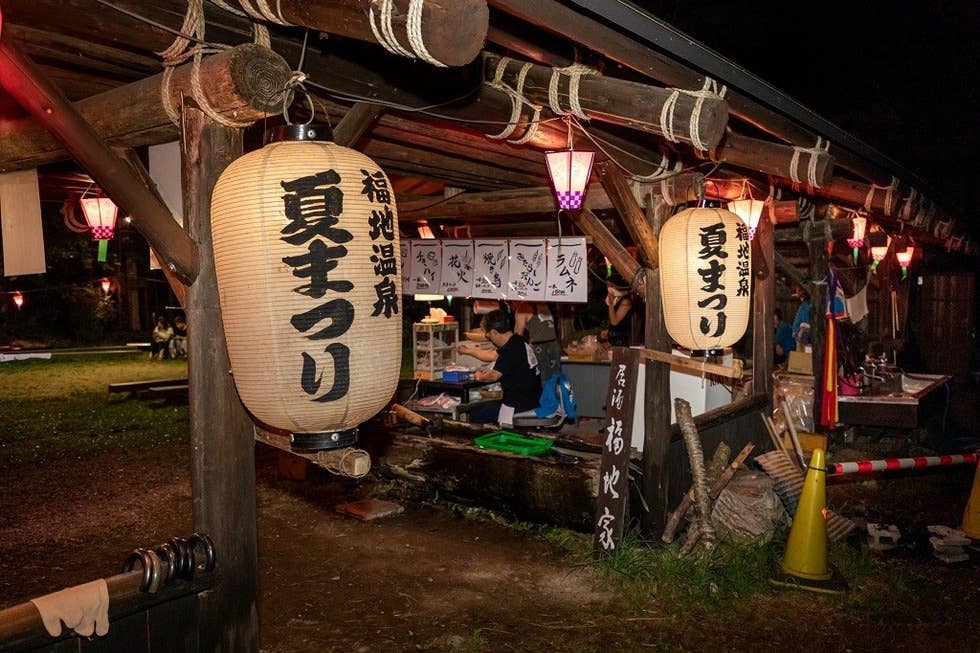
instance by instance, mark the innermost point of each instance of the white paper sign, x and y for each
(426, 266)
(568, 274)
(405, 250)
(457, 268)
(490, 269)
(526, 279)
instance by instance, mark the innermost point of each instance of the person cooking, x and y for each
(535, 321)
(514, 365)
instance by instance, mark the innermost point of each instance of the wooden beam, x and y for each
(611, 248)
(621, 102)
(789, 269)
(223, 461)
(237, 84)
(520, 200)
(452, 32)
(763, 305)
(356, 122)
(44, 101)
(557, 18)
(630, 212)
(774, 159)
(816, 239)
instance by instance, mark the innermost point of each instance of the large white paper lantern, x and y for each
(705, 282)
(306, 253)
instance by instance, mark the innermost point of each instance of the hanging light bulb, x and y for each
(106, 285)
(856, 241)
(905, 259)
(569, 171)
(18, 299)
(879, 253)
(750, 211)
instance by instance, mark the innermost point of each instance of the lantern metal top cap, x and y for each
(310, 132)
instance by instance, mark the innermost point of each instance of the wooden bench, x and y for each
(137, 386)
(174, 391)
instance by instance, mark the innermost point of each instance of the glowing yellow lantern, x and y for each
(305, 238)
(705, 285)
(750, 211)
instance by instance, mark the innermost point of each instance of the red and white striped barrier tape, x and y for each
(888, 464)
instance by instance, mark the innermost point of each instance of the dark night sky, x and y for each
(901, 76)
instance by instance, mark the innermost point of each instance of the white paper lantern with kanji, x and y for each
(306, 253)
(705, 278)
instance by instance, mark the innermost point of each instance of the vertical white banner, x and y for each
(426, 266)
(457, 268)
(164, 169)
(526, 279)
(405, 251)
(20, 224)
(490, 268)
(568, 274)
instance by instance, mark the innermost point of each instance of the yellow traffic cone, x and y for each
(804, 565)
(971, 516)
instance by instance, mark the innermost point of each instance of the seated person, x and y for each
(160, 339)
(178, 344)
(514, 365)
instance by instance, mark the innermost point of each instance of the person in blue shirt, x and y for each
(784, 341)
(801, 323)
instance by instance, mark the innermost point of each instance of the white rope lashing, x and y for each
(262, 11)
(517, 102)
(385, 34)
(574, 74)
(178, 53)
(910, 202)
(662, 168)
(709, 90)
(890, 190)
(821, 147)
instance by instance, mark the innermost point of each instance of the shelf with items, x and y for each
(433, 349)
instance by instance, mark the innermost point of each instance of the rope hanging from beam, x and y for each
(517, 102)
(890, 190)
(910, 204)
(821, 147)
(178, 52)
(711, 89)
(574, 74)
(385, 34)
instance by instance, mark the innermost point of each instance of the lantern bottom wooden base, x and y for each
(323, 441)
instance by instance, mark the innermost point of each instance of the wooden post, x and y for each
(29, 87)
(630, 212)
(355, 122)
(656, 395)
(818, 302)
(763, 304)
(223, 461)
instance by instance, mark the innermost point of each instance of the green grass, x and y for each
(61, 407)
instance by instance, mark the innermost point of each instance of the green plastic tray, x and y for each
(514, 443)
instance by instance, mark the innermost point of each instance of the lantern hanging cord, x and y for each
(574, 73)
(821, 147)
(385, 33)
(890, 191)
(710, 89)
(517, 102)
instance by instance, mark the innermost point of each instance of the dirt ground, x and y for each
(427, 579)
(433, 579)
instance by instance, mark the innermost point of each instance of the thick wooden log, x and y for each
(763, 305)
(630, 212)
(784, 211)
(223, 461)
(774, 159)
(557, 18)
(48, 105)
(611, 248)
(855, 194)
(817, 243)
(240, 83)
(622, 102)
(788, 269)
(681, 188)
(452, 32)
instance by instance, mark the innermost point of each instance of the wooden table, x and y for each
(898, 410)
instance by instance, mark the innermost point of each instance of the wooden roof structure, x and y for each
(437, 124)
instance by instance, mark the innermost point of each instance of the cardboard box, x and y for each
(800, 362)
